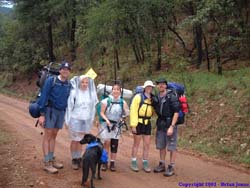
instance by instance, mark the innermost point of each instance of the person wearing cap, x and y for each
(80, 114)
(52, 104)
(166, 105)
(141, 111)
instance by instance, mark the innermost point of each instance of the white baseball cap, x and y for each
(148, 83)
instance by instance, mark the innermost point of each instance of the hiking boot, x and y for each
(134, 166)
(49, 168)
(56, 164)
(169, 171)
(112, 166)
(75, 164)
(146, 167)
(160, 168)
(104, 167)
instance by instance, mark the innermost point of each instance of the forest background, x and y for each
(202, 44)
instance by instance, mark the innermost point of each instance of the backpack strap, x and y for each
(140, 105)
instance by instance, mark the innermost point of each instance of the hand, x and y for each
(170, 131)
(109, 125)
(41, 121)
(134, 130)
(66, 126)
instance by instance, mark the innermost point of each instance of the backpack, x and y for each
(34, 108)
(138, 89)
(180, 91)
(109, 102)
(46, 72)
(104, 156)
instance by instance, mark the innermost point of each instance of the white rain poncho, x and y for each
(80, 112)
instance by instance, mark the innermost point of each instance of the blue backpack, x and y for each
(180, 91)
(104, 156)
(137, 90)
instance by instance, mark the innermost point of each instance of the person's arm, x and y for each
(175, 107)
(125, 109)
(134, 112)
(103, 109)
(70, 106)
(44, 99)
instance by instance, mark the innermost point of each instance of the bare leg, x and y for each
(146, 144)
(137, 140)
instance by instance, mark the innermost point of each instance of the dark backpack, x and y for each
(180, 91)
(34, 108)
(46, 72)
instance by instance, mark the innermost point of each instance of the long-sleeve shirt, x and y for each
(55, 94)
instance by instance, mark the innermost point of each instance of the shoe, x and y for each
(146, 167)
(169, 171)
(134, 166)
(160, 168)
(75, 164)
(112, 166)
(56, 164)
(49, 168)
(104, 167)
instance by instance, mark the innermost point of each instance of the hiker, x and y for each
(166, 106)
(141, 112)
(113, 110)
(52, 103)
(80, 114)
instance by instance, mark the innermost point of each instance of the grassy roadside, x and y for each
(219, 118)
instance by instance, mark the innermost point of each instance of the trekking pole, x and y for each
(41, 133)
(100, 132)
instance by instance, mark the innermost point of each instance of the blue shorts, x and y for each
(54, 118)
(162, 140)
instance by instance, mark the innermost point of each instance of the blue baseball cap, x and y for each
(65, 64)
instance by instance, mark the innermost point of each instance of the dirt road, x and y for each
(21, 160)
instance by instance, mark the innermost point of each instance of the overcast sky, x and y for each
(5, 3)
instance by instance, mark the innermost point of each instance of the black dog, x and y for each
(91, 158)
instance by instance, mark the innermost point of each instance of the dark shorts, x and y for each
(142, 129)
(163, 141)
(54, 118)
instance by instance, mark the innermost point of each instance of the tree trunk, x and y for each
(136, 54)
(117, 59)
(50, 41)
(217, 53)
(72, 32)
(159, 45)
(206, 49)
(198, 43)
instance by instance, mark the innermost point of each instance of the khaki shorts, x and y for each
(163, 141)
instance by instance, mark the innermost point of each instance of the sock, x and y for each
(51, 155)
(133, 158)
(162, 161)
(112, 160)
(74, 155)
(144, 160)
(46, 158)
(78, 154)
(172, 164)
